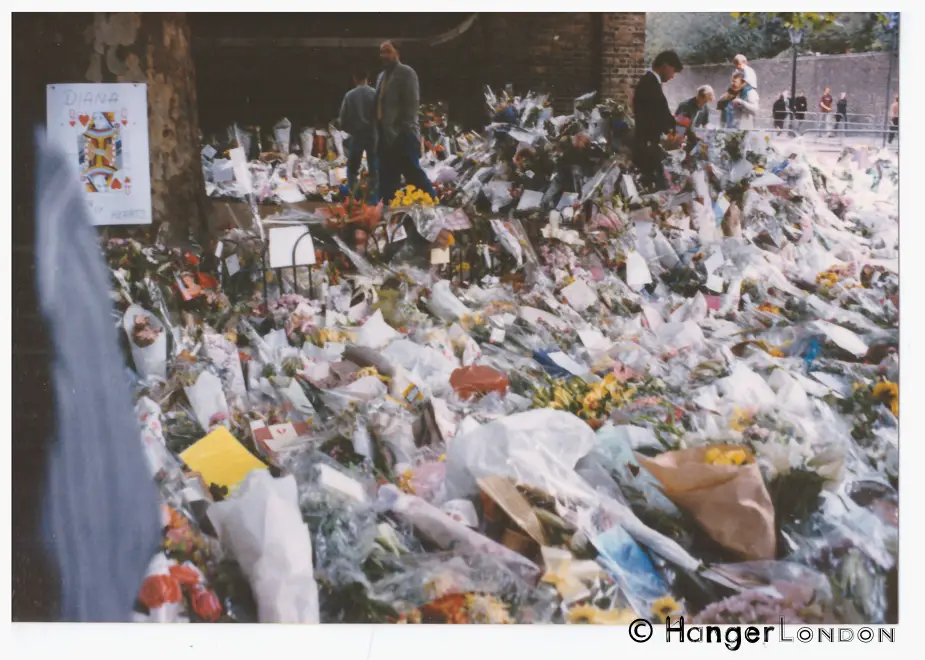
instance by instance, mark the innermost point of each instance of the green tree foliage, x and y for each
(715, 37)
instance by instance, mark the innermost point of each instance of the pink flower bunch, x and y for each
(143, 332)
(794, 604)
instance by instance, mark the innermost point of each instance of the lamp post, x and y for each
(796, 36)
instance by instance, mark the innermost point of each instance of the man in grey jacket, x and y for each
(358, 119)
(399, 134)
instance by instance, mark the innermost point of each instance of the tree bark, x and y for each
(77, 48)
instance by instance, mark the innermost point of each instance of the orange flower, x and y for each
(450, 608)
(206, 605)
(185, 575)
(177, 519)
(158, 590)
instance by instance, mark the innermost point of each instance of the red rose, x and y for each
(207, 281)
(206, 605)
(185, 575)
(157, 590)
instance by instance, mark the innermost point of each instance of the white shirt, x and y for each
(750, 76)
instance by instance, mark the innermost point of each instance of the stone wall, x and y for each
(861, 75)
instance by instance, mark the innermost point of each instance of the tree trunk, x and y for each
(76, 48)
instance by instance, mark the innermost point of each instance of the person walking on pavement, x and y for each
(654, 119)
(825, 110)
(741, 64)
(841, 112)
(399, 133)
(789, 121)
(800, 106)
(894, 119)
(779, 111)
(358, 120)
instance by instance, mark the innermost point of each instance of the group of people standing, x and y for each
(658, 129)
(382, 123)
(791, 112)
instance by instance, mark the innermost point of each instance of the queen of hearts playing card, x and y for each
(99, 154)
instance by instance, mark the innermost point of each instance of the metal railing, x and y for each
(821, 136)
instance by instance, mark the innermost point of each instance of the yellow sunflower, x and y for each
(665, 607)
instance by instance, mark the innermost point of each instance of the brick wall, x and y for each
(622, 56)
(861, 75)
(550, 52)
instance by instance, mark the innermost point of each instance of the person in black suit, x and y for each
(654, 118)
(800, 106)
(780, 109)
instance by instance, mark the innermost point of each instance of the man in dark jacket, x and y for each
(399, 133)
(780, 111)
(694, 113)
(697, 108)
(800, 106)
(358, 119)
(841, 112)
(654, 118)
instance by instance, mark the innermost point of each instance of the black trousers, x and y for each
(649, 157)
(894, 129)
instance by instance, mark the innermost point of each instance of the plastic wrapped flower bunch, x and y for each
(412, 196)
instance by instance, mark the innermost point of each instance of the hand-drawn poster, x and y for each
(103, 129)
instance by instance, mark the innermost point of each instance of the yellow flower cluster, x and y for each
(470, 321)
(768, 307)
(740, 421)
(404, 482)
(411, 196)
(610, 390)
(596, 616)
(827, 279)
(590, 402)
(372, 371)
(888, 393)
(716, 456)
(325, 336)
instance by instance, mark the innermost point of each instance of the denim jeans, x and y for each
(356, 147)
(401, 158)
